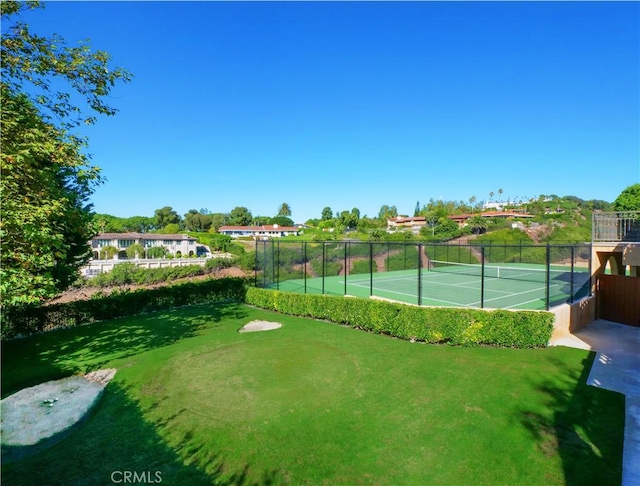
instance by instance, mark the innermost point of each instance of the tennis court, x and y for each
(504, 286)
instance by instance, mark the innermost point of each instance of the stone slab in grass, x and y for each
(255, 326)
(34, 417)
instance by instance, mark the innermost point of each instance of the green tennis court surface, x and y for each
(516, 286)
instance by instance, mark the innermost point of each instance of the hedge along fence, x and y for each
(460, 327)
(23, 321)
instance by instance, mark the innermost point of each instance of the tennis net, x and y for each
(495, 271)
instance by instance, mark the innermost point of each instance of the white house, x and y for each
(258, 232)
(184, 245)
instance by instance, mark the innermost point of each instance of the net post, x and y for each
(482, 277)
(548, 278)
(419, 273)
(571, 290)
(304, 263)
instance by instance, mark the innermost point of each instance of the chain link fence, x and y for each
(501, 276)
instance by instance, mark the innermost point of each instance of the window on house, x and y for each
(125, 243)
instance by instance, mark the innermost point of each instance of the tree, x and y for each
(477, 224)
(416, 211)
(218, 220)
(108, 252)
(240, 216)
(170, 229)
(135, 251)
(491, 196)
(327, 214)
(629, 199)
(165, 216)
(196, 221)
(281, 221)
(472, 202)
(46, 176)
(431, 218)
(387, 212)
(500, 191)
(285, 210)
(156, 252)
(138, 224)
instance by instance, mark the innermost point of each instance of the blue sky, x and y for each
(359, 104)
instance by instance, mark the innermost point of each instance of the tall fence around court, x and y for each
(436, 274)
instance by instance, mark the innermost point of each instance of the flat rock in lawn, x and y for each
(254, 326)
(43, 411)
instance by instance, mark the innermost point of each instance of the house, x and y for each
(461, 219)
(406, 222)
(178, 245)
(258, 232)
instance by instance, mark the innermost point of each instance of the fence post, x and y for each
(324, 254)
(304, 262)
(273, 261)
(572, 299)
(419, 273)
(255, 266)
(264, 263)
(346, 267)
(482, 277)
(277, 272)
(547, 278)
(590, 270)
(370, 268)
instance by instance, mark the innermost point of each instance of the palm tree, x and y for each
(491, 194)
(108, 252)
(285, 210)
(500, 191)
(477, 224)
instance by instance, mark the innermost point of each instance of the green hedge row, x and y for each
(461, 327)
(23, 321)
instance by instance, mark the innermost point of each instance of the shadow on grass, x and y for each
(116, 442)
(54, 355)
(586, 427)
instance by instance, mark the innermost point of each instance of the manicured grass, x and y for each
(316, 403)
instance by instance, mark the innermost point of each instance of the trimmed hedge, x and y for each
(460, 327)
(23, 321)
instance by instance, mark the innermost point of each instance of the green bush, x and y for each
(131, 274)
(459, 327)
(26, 320)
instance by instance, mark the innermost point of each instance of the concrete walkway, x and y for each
(617, 368)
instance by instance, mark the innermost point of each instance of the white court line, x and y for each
(457, 304)
(471, 284)
(519, 293)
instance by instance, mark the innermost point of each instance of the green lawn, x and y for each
(315, 403)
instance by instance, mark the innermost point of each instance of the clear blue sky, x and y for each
(360, 104)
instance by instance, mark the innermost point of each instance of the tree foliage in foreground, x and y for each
(46, 177)
(629, 199)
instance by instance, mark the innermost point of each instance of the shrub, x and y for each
(25, 320)
(460, 327)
